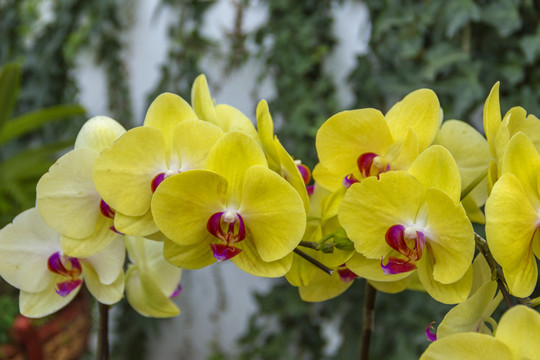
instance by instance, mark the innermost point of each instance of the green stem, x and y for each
(472, 185)
(496, 269)
(309, 244)
(103, 333)
(535, 302)
(315, 262)
(367, 327)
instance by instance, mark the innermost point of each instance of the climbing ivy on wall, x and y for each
(458, 48)
(301, 38)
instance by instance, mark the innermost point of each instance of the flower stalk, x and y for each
(496, 270)
(368, 315)
(315, 262)
(103, 333)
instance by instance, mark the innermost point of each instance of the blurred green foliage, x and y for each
(293, 44)
(22, 166)
(457, 48)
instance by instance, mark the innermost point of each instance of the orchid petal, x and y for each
(492, 117)
(265, 129)
(99, 133)
(451, 293)
(146, 297)
(470, 315)
(183, 203)
(46, 301)
(104, 293)
(274, 213)
(123, 173)
(190, 257)
(511, 224)
(66, 196)
(193, 140)
(249, 261)
(165, 112)
(349, 134)
(519, 329)
(370, 269)
(108, 263)
(93, 243)
(26, 245)
(202, 101)
(451, 237)
(522, 159)
(420, 111)
(135, 225)
(291, 173)
(231, 157)
(467, 346)
(436, 168)
(372, 206)
(323, 287)
(231, 119)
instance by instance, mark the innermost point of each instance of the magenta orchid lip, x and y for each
(409, 243)
(68, 267)
(235, 232)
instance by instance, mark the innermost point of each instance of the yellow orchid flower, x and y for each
(236, 209)
(471, 152)
(32, 261)
(225, 116)
(472, 314)
(500, 130)
(413, 221)
(353, 145)
(513, 216)
(151, 281)
(67, 198)
(172, 140)
(279, 160)
(517, 337)
(303, 272)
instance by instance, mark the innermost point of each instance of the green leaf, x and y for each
(33, 120)
(10, 77)
(503, 15)
(31, 163)
(530, 45)
(459, 14)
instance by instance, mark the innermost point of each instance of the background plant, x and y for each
(458, 48)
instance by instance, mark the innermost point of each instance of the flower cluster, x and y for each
(393, 201)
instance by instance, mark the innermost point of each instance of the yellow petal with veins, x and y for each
(183, 203)
(510, 225)
(273, 212)
(66, 197)
(492, 117)
(99, 133)
(467, 346)
(450, 237)
(165, 112)
(372, 206)
(349, 134)
(202, 101)
(231, 157)
(519, 329)
(420, 111)
(436, 168)
(123, 174)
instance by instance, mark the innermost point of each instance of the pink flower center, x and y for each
(228, 228)
(369, 164)
(68, 267)
(304, 171)
(158, 179)
(345, 274)
(409, 242)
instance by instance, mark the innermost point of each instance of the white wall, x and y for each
(216, 301)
